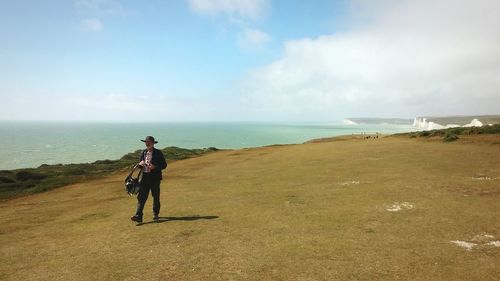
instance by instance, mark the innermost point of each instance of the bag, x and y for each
(132, 185)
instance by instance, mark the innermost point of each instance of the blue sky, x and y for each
(246, 60)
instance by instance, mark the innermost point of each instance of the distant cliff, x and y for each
(429, 122)
(391, 121)
(435, 123)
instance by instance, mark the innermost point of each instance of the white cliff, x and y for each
(422, 124)
(349, 122)
(474, 123)
(425, 125)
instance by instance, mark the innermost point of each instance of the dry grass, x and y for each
(315, 211)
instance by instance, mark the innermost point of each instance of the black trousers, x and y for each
(147, 184)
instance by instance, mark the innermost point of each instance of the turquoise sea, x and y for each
(30, 144)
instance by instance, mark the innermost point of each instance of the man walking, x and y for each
(152, 162)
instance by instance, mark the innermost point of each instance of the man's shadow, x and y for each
(187, 218)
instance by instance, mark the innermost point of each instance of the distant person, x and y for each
(152, 162)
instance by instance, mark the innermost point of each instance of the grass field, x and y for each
(338, 209)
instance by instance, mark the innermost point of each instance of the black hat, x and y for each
(149, 138)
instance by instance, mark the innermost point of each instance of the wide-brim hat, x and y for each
(149, 138)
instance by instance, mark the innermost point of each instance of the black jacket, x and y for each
(158, 160)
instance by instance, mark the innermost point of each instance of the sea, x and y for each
(31, 144)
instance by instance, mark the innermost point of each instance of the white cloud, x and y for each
(400, 58)
(94, 11)
(100, 8)
(241, 13)
(92, 24)
(235, 9)
(253, 39)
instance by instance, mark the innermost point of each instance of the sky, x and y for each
(247, 60)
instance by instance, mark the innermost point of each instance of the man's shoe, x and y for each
(136, 218)
(156, 218)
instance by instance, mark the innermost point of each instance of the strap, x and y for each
(140, 173)
(133, 170)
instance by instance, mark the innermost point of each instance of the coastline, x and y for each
(70, 143)
(19, 182)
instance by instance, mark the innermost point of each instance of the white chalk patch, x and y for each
(464, 244)
(483, 238)
(494, 243)
(485, 178)
(396, 207)
(349, 182)
(479, 240)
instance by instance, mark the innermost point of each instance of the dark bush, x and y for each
(6, 180)
(107, 161)
(495, 129)
(75, 171)
(449, 137)
(455, 131)
(25, 175)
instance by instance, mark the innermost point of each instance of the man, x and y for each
(152, 162)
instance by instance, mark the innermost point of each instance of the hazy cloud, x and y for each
(401, 58)
(94, 11)
(241, 13)
(113, 107)
(100, 8)
(92, 24)
(253, 39)
(234, 9)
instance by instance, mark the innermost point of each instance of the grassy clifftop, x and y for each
(462, 120)
(392, 208)
(452, 134)
(26, 181)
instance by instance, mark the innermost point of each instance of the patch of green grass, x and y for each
(452, 134)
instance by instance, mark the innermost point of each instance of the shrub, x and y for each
(107, 161)
(495, 129)
(6, 180)
(456, 131)
(449, 137)
(25, 175)
(75, 171)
